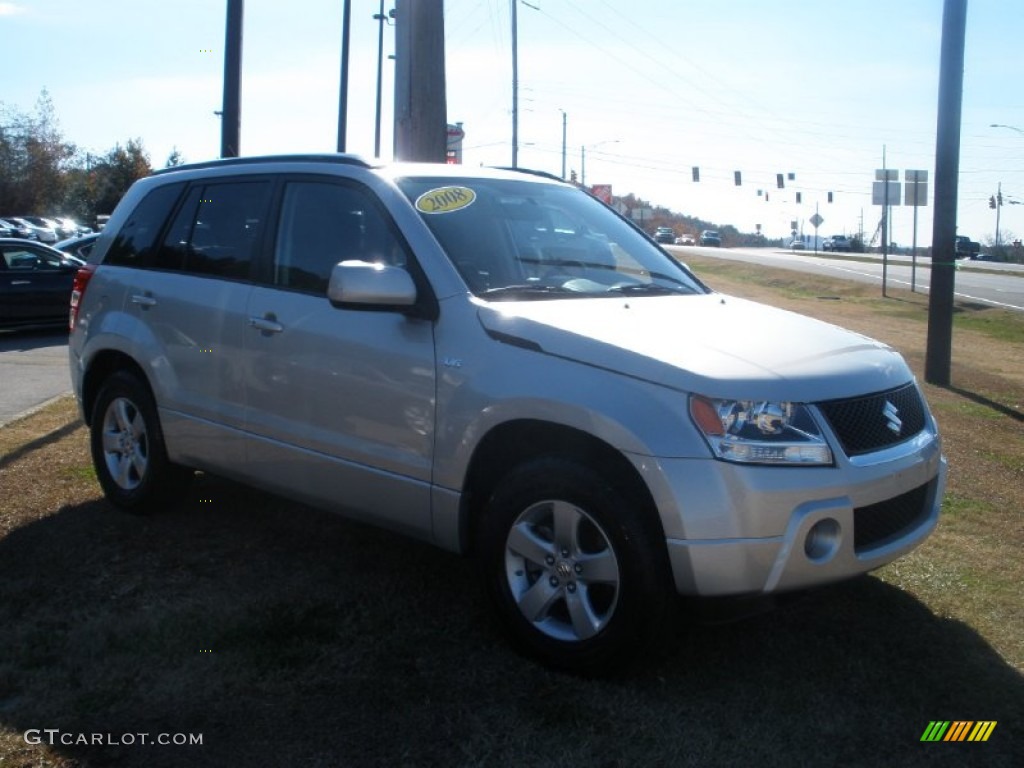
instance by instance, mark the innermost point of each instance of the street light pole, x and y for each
(1012, 128)
(583, 158)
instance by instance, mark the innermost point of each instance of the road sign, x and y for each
(915, 194)
(878, 192)
(816, 221)
(602, 192)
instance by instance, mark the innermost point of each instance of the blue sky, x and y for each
(650, 88)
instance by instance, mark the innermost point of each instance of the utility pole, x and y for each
(421, 120)
(231, 111)
(381, 18)
(999, 208)
(938, 355)
(346, 23)
(564, 117)
(515, 86)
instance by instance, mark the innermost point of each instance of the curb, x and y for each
(35, 409)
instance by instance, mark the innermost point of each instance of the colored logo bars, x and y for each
(958, 730)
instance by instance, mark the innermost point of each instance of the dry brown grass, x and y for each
(290, 637)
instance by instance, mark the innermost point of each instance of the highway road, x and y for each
(997, 285)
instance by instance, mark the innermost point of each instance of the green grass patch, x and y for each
(969, 410)
(956, 506)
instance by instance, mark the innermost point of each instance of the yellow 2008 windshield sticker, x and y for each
(445, 200)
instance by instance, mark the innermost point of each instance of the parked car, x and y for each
(797, 245)
(75, 227)
(664, 235)
(836, 243)
(711, 238)
(79, 246)
(22, 230)
(35, 283)
(495, 362)
(44, 234)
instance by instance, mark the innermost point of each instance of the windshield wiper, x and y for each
(527, 289)
(650, 289)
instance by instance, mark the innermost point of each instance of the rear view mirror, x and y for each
(369, 284)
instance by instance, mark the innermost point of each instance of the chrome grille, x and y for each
(870, 423)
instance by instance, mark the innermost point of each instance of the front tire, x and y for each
(128, 449)
(575, 567)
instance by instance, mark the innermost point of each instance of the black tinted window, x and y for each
(322, 224)
(217, 229)
(135, 241)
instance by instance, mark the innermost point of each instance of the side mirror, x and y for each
(373, 285)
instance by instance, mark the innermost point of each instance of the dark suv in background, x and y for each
(836, 243)
(710, 237)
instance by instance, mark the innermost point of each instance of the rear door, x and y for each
(190, 300)
(340, 401)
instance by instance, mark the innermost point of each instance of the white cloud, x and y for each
(11, 9)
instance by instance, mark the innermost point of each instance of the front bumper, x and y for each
(735, 530)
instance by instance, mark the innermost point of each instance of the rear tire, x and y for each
(575, 567)
(128, 449)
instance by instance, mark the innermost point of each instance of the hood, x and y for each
(710, 344)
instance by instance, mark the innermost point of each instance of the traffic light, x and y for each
(738, 178)
(830, 197)
(696, 173)
(779, 181)
(572, 177)
(992, 201)
(799, 197)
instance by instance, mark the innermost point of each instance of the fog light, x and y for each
(822, 540)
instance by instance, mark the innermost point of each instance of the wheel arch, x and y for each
(512, 443)
(101, 367)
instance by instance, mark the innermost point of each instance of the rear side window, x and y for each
(323, 223)
(136, 240)
(217, 230)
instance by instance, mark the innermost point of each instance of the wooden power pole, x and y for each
(938, 354)
(421, 110)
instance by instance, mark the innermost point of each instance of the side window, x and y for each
(136, 240)
(324, 223)
(27, 260)
(217, 229)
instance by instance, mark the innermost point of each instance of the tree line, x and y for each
(44, 174)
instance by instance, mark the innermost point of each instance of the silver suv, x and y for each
(497, 363)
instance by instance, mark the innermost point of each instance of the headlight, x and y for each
(762, 432)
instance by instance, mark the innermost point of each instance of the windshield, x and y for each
(513, 239)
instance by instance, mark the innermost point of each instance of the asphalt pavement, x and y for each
(33, 370)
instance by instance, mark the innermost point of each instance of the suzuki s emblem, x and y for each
(892, 417)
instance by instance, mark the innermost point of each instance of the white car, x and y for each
(496, 363)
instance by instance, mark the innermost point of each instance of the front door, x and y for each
(340, 402)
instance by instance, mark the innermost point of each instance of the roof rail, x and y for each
(336, 158)
(542, 174)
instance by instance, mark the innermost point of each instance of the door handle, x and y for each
(21, 282)
(143, 300)
(266, 324)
